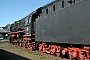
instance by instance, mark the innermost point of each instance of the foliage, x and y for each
(7, 26)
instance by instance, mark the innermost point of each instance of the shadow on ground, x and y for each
(5, 55)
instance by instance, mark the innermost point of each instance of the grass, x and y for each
(26, 53)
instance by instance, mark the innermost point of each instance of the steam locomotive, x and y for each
(61, 28)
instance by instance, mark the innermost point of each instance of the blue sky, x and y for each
(13, 10)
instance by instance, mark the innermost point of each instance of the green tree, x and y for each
(7, 26)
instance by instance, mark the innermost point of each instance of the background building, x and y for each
(3, 33)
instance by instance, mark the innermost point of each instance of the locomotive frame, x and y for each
(60, 28)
